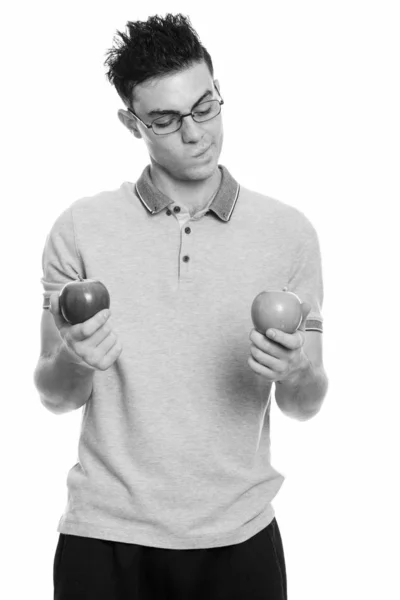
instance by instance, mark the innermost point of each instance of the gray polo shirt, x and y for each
(174, 448)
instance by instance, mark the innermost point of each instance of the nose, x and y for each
(190, 130)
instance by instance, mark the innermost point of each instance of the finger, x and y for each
(95, 340)
(267, 345)
(261, 370)
(95, 354)
(112, 355)
(275, 364)
(291, 341)
(81, 331)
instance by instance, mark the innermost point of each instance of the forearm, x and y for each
(301, 397)
(63, 384)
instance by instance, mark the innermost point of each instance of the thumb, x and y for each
(305, 309)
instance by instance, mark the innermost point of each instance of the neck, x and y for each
(193, 194)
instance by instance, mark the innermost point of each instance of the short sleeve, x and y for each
(61, 261)
(306, 278)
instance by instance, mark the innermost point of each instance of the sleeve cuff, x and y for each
(314, 325)
(50, 288)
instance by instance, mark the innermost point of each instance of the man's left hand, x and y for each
(280, 358)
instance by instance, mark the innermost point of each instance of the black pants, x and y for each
(93, 569)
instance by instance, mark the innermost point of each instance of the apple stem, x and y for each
(80, 278)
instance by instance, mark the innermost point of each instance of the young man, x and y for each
(171, 496)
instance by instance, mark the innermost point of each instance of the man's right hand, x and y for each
(93, 342)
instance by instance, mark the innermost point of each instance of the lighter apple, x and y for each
(276, 309)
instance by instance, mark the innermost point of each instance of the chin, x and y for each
(202, 171)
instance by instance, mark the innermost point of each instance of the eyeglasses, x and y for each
(205, 111)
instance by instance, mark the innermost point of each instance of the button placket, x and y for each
(186, 256)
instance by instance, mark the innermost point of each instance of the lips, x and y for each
(203, 152)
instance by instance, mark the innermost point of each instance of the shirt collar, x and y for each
(222, 205)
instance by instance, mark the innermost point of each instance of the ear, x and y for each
(129, 122)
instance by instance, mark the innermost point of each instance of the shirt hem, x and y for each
(133, 535)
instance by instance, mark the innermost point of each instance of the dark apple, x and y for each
(82, 299)
(276, 309)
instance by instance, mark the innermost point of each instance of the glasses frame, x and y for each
(181, 117)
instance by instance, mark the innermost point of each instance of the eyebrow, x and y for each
(157, 111)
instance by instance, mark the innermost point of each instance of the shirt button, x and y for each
(177, 209)
(187, 230)
(169, 212)
(185, 258)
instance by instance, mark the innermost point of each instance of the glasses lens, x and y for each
(206, 111)
(203, 112)
(166, 124)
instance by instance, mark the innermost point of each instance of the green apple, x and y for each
(276, 309)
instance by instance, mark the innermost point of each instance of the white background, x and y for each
(311, 117)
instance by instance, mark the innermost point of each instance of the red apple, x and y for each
(276, 309)
(82, 299)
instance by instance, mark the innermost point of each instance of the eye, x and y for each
(203, 112)
(165, 122)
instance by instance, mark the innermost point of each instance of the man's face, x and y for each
(176, 152)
